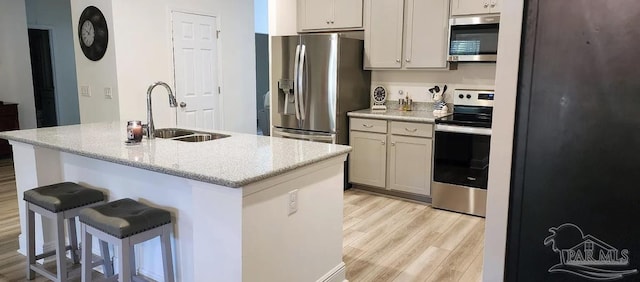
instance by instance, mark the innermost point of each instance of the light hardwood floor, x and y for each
(393, 240)
(384, 239)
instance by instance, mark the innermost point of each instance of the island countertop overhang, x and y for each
(235, 161)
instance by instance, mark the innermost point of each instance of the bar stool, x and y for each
(126, 223)
(59, 202)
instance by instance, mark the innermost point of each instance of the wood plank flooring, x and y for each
(393, 240)
(384, 239)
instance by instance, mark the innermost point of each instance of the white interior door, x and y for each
(195, 53)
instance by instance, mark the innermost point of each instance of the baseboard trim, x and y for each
(337, 274)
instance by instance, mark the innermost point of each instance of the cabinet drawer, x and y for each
(412, 129)
(369, 125)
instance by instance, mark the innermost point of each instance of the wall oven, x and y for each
(461, 154)
(473, 39)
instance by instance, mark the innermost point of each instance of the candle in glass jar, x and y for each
(134, 130)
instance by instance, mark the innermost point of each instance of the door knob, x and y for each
(183, 104)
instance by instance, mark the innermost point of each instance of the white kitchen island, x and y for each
(230, 198)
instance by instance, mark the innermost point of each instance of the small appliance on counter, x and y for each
(461, 153)
(379, 98)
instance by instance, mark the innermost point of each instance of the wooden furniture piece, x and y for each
(424, 25)
(392, 156)
(8, 121)
(329, 15)
(474, 7)
(58, 202)
(126, 223)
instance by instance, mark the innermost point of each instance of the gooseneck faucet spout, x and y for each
(172, 103)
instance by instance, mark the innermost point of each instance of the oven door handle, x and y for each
(463, 129)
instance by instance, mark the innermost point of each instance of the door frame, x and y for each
(220, 35)
(52, 37)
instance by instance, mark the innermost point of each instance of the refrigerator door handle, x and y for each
(303, 56)
(296, 82)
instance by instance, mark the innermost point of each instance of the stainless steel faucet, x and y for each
(172, 103)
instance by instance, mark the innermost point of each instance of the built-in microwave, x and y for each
(473, 39)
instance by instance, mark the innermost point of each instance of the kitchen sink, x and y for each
(168, 133)
(187, 135)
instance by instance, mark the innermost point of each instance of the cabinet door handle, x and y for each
(493, 4)
(407, 60)
(397, 60)
(393, 143)
(331, 22)
(367, 125)
(486, 5)
(411, 129)
(383, 143)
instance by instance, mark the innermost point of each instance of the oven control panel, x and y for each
(472, 97)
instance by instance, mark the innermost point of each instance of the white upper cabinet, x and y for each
(426, 28)
(408, 34)
(326, 15)
(383, 33)
(474, 7)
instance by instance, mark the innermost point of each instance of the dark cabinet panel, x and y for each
(575, 195)
(8, 121)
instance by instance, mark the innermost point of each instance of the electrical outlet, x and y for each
(85, 91)
(107, 93)
(293, 202)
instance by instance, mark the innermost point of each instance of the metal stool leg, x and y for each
(167, 257)
(31, 242)
(73, 240)
(61, 248)
(124, 248)
(86, 254)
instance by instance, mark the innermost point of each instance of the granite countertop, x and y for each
(424, 116)
(233, 161)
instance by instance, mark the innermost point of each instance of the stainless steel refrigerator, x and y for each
(318, 78)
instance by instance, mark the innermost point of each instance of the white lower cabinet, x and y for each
(368, 158)
(403, 164)
(410, 164)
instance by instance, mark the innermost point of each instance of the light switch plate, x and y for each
(85, 91)
(293, 202)
(107, 93)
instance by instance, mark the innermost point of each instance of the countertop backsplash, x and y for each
(420, 93)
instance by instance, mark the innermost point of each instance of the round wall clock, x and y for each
(93, 33)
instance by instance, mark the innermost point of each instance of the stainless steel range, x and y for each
(461, 162)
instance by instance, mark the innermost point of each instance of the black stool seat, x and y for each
(62, 196)
(124, 218)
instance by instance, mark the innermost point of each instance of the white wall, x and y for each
(16, 84)
(261, 12)
(56, 16)
(417, 83)
(144, 55)
(96, 75)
